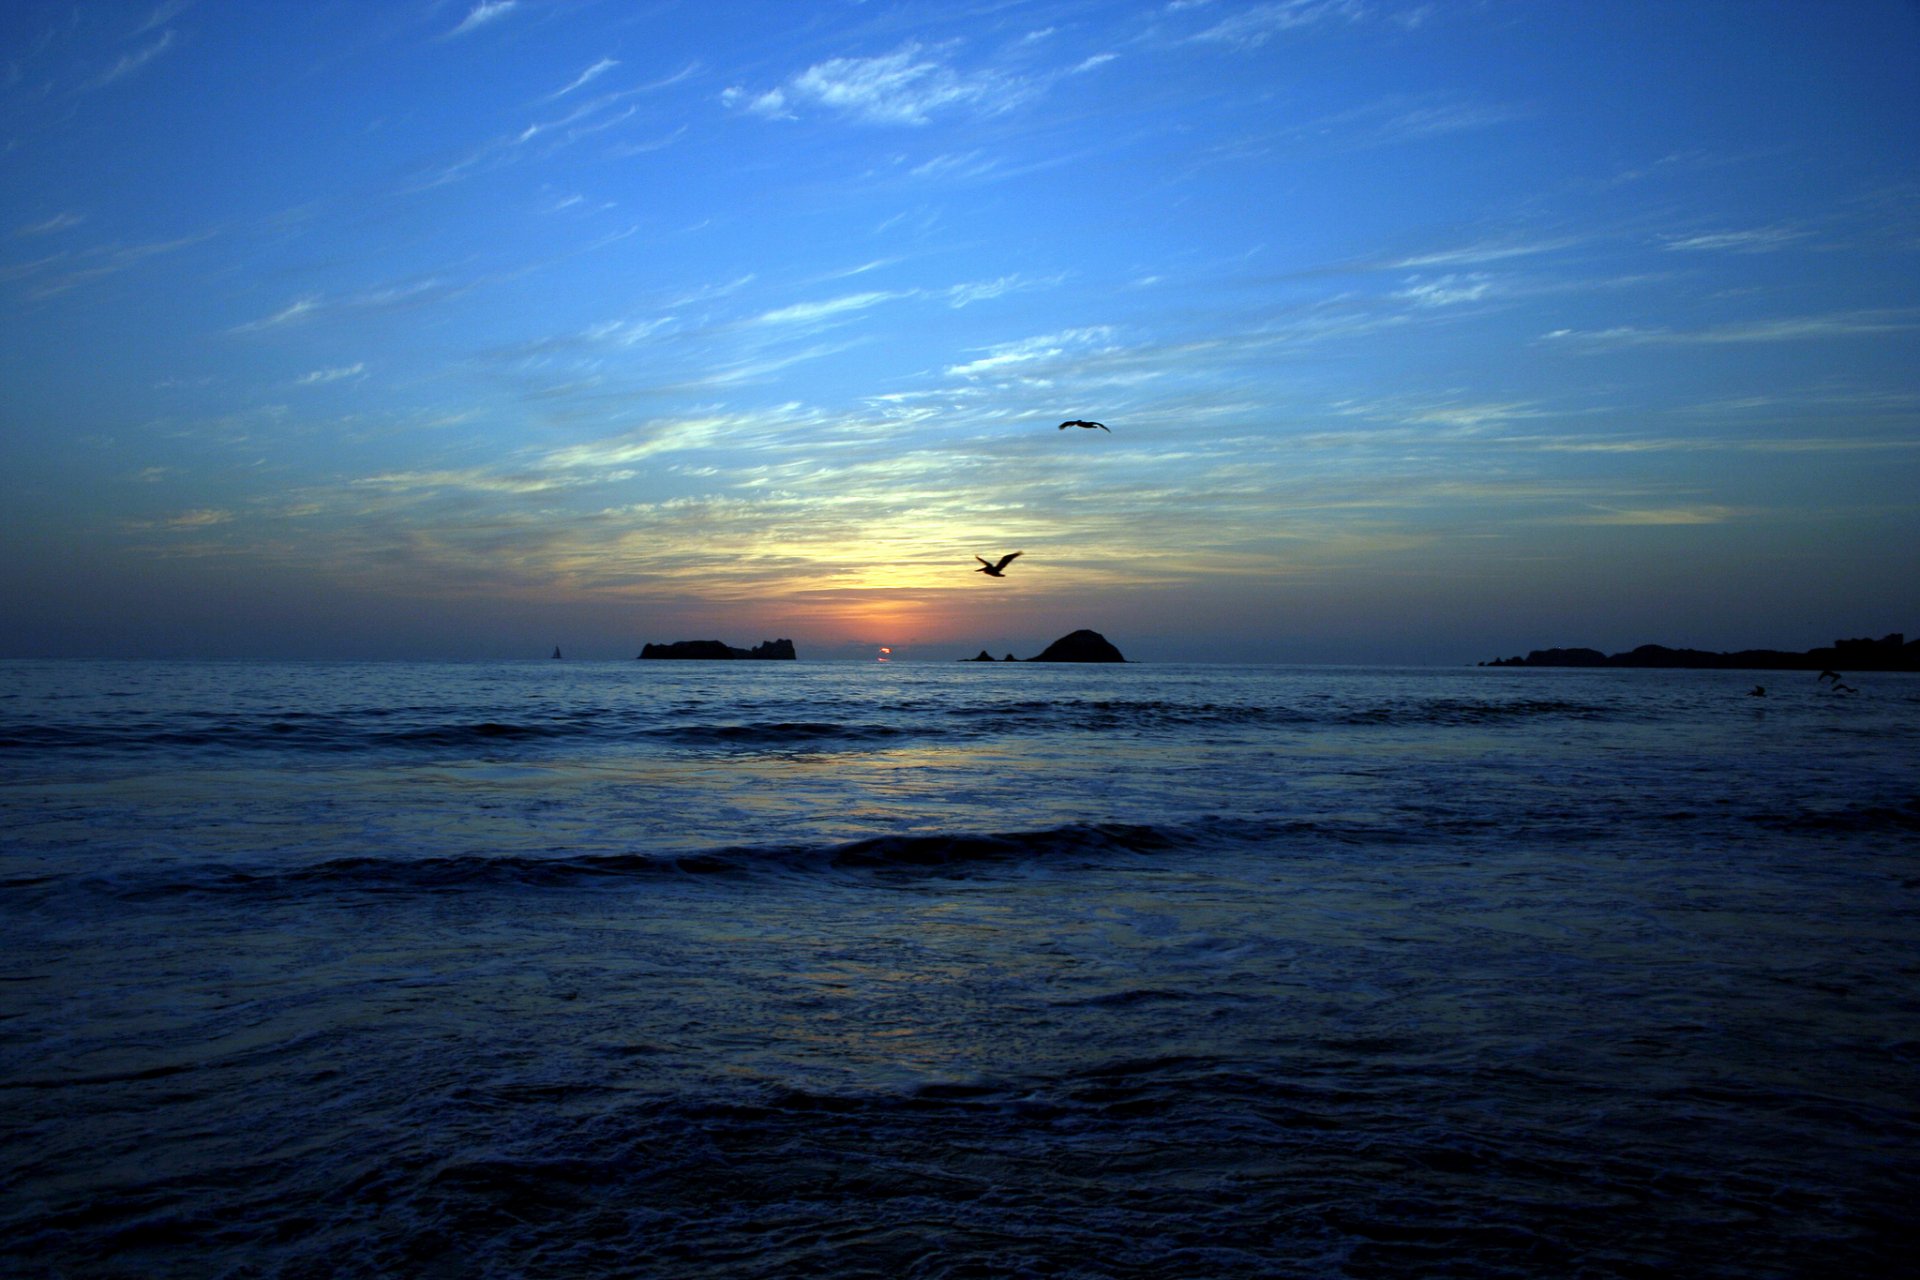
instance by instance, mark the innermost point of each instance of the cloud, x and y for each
(100, 263)
(1253, 26)
(299, 309)
(1446, 291)
(58, 222)
(808, 312)
(320, 376)
(1644, 516)
(162, 15)
(593, 72)
(203, 518)
(1028, 352)
(1466, 417)
(772, 104)
(132, 62)
(487, 11)
(1786, 329)
(468, 479)
(1490, 251)
(907, 87)
(961, 295)
(1758, 240)
(391, 297)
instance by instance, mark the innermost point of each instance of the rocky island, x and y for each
(1890, 653)
(1080, 646)
(714, 649)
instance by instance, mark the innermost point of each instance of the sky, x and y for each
(1425, 332)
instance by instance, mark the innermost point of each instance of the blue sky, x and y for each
(1426, 331)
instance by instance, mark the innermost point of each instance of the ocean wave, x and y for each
(943, 853)
(408, 731)
(279, 733)
(1850, 819)
(372, 731)
(1464, 712)
(777, 733)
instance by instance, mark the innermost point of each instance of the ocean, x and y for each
(755, 969)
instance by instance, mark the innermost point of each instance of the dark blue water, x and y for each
(665, 969)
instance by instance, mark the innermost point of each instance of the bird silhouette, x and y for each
(1082, 422)
(994, 570)
(1828, 674)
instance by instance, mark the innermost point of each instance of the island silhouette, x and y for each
(712, 650)
(1889, 653)
(1076, 646)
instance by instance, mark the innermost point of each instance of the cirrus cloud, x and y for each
(909, 86)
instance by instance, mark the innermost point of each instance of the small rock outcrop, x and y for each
(1080, 646)
(714, 649)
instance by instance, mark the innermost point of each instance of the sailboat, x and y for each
(556, 651)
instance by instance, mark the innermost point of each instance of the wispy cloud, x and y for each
(1445, 291)
(1254, 25)
(388, 297)
(1654, 516)
(1486, 251)
(484, 13)
(1756, 240)
(202, 518)
(321, 376)
(58, 222)
(132, 62)
(812, 312)
(907, 87)
(1033, 352)
(1469, 416)
(586, 77)
(962, 295)
(1786, 329)
(162, 15)
(298, 309)
(99, 263)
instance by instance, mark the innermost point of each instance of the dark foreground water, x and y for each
(663, 969)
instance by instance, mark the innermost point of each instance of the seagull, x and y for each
(1828, 674)
(993, 570)
(1082, 422)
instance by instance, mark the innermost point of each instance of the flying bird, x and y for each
(1082, 422)
(994, 570)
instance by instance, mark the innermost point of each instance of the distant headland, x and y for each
(1890, 653)
(714, 649)
(1080, 646)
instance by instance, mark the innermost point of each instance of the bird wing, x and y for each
(983, 560)
(1007, 559)
(1103, 426)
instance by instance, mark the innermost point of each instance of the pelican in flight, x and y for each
(1082, 422)
(994, 570)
